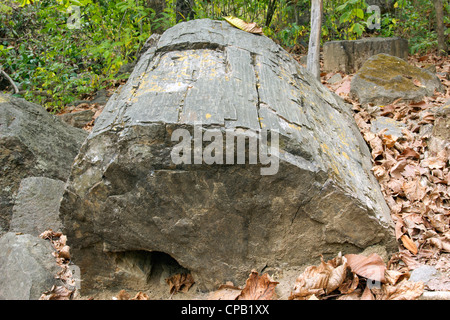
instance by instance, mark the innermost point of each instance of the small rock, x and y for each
(27, 267)
(440, 136)
(335, 78)
(394, 128)
(423, 273)
(77, 119)
(101, 97)
(432, 278)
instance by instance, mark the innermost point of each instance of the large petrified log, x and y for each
(126, 196)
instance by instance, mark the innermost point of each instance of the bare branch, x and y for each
(5, 75)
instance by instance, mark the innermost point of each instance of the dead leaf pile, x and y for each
(124, 295)
(62, 256)
(257, 287)
(414, 179)
(180, 283)
(355, 277)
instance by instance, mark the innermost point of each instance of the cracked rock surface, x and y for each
(33, 143)
(219, 221)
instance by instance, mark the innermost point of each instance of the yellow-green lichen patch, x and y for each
(393, 73)
(3, 99)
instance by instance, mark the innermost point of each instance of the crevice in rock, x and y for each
(257, 85)
(183, 46)
(147, 268)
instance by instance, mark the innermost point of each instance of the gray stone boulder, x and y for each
(385, 78)
(27, 267)
(127, 196)
(36, 206)
(32, 143)
(349, 55)
(440, 135)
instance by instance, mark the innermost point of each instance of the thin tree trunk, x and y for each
(313, 58)
(270, 11)
(11, 81)
(442, 45)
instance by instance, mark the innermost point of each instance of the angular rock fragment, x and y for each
(222, 218)
(32, 143)
(36, 206)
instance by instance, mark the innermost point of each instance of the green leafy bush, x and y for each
(55, 63)
(61, 50)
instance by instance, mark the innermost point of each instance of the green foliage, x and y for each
(415, 21)
(289, 36)
(56, 62)
(60, 50)
(345, 19)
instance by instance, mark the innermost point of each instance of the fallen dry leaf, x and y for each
(337, 277)
(123, 295)
(226, 291)
(394, 276)
(180, 282)
(389, 140)
(57, 293)
(367, 294)
(245, 26)
(370, 267)
(355, 295)
(350, 284)
(409, 244)
(313, 280)
(414, 190)
(258, 287)
(64, 252)
(140, 296)
(404, 290)
(408, 153)
(440, 243)
(397, 169)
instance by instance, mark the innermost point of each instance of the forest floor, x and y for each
(415, 182)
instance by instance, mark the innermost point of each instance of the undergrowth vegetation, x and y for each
(58, 51)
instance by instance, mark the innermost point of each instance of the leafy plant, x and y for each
(353, 17)
(55, 62)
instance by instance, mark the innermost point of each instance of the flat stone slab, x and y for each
(220, 219)
(349, 55)
(36, 207)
